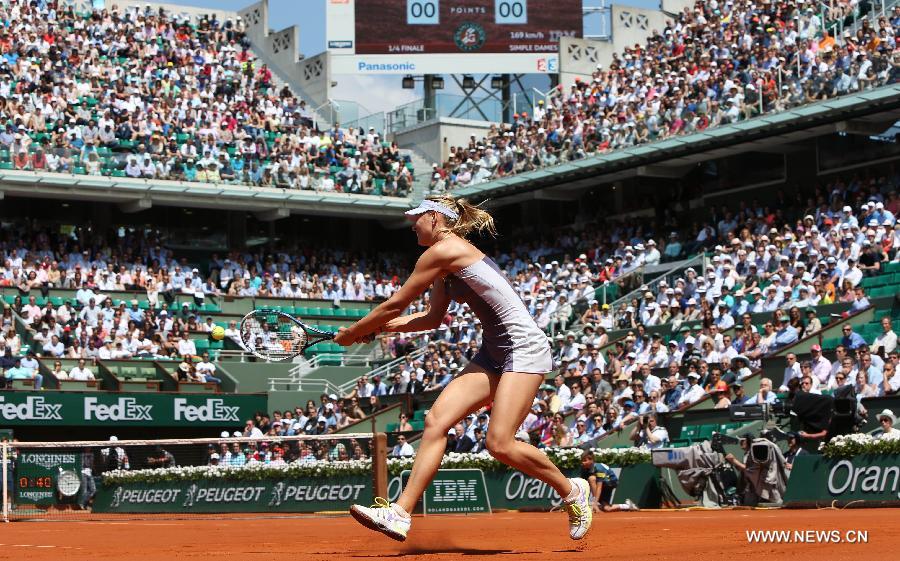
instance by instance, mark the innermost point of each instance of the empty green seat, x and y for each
(831, 343)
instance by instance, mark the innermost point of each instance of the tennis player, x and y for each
(507, 370)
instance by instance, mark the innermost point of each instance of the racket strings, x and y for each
(272, 335)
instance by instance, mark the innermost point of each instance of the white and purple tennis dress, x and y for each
(511, 341)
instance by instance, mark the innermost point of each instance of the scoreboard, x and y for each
(449, 36)
(43, 478)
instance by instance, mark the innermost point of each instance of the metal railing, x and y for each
(297, 380)
(669, 276)
(383, 370)
(877, 8)
(631, 278)
(304, 384)
(463, 107)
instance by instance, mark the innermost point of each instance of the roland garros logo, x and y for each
(469, 37)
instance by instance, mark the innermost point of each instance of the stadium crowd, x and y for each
(719, 62)
(142, 93)
(800, 253)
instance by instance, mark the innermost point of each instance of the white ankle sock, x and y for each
(399, 510)
(574, 493)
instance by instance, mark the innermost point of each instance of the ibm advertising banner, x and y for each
(866, 479)
(122, 409)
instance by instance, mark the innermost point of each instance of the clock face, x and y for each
(68, 483)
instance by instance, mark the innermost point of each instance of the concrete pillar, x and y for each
(237, 229)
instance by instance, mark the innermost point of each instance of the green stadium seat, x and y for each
(892, 267)
(340, 312)
(202, 345)
(392, 427)
(705, 432)
(690, 432)
(831, 343)
(301, 311)
(324, 312)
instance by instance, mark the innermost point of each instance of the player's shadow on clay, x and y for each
(453, 550)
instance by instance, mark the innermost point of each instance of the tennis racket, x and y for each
(275, 336)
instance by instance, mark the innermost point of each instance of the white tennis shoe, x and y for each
(382, 517)
(579, 509)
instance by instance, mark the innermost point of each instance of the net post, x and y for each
(379, 465)
(5, 456)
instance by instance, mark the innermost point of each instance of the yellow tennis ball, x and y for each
(218, 333)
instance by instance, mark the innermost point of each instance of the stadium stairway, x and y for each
(422, 173)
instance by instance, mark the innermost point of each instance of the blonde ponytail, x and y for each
(471, 218)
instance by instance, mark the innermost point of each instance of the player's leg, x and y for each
(468, 392)
(512, 400)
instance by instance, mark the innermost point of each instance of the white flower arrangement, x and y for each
(849, 445)
(564, 458)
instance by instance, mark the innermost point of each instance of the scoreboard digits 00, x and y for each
(511, 12)
(423, 12)
(428, 12)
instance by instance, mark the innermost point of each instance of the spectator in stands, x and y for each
(851, 340)
(648, 432)
(402, 449)
(206, 370)
(765, 394)
(81, 372)
(403, 425)
(21, 372)
(886, 342)
(890, 383)
(693, 393)
(791, 371)
(888, 430)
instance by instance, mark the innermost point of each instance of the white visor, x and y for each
(427, 205)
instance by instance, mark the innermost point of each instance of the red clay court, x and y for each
(656, 535)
